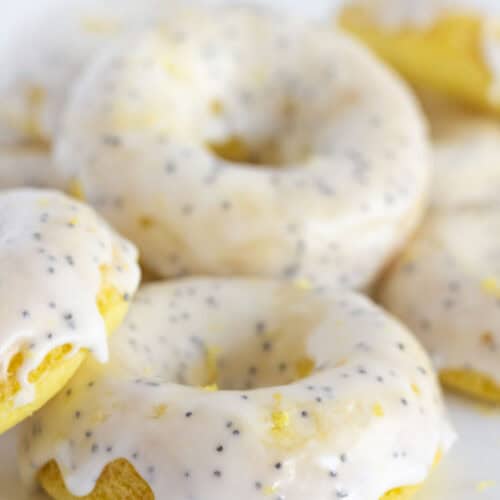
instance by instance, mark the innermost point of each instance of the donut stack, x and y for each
(269, 173)
(451, 48)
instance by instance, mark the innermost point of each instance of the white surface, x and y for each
(472, 469)
(311, 8)
(470, 472)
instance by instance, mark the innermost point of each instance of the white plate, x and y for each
(472, 469)
(470, 472)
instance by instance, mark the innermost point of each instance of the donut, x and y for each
(288, 154)
(28, 166)
(40, 69)
(450, 46)
(455, 255)
(65, 276)
(259, 386)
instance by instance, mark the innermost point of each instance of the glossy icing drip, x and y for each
(55, 256)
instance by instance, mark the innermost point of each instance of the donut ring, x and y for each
(451, 47)
(311, 383)
(28, 167)
(455, 254)
(263, 174)
(64, 274)
(40, 69)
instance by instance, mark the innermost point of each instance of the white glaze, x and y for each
(467, 156)
(456, 255)
(490, 44)
(136, 131)
(47, 46)
(28, 167)
(52, 250)
(373, 414)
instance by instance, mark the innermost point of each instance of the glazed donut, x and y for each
(218, 151)
(64, 275)
(28, 167)
(448, 45)
(39, 70)
(455, 254)
(255, 386)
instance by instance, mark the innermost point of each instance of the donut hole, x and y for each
(251, 357)
(236, 149)
(270, 360)
(276, 135)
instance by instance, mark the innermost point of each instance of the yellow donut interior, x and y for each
(56, 369)
(119, 479)
(471, 383)
(236, 150)
(445, 57)
(401, 493)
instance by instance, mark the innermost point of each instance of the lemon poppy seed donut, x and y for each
(451, 46)
(455, 255)
(261, 387)
(227, 142)
(65, 276)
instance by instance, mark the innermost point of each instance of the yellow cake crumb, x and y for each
(159, 411)
(233, 149)
(36, 97)
(211, 388)
(378, 410)
(491, 286)
(303, 284)
(280, 419)
(269, 490)
(488, 340)
(485, 485)
(146, 222)
(216, 107)
(211, 364)
(304, 367)
(76, 190)
(471, 383)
